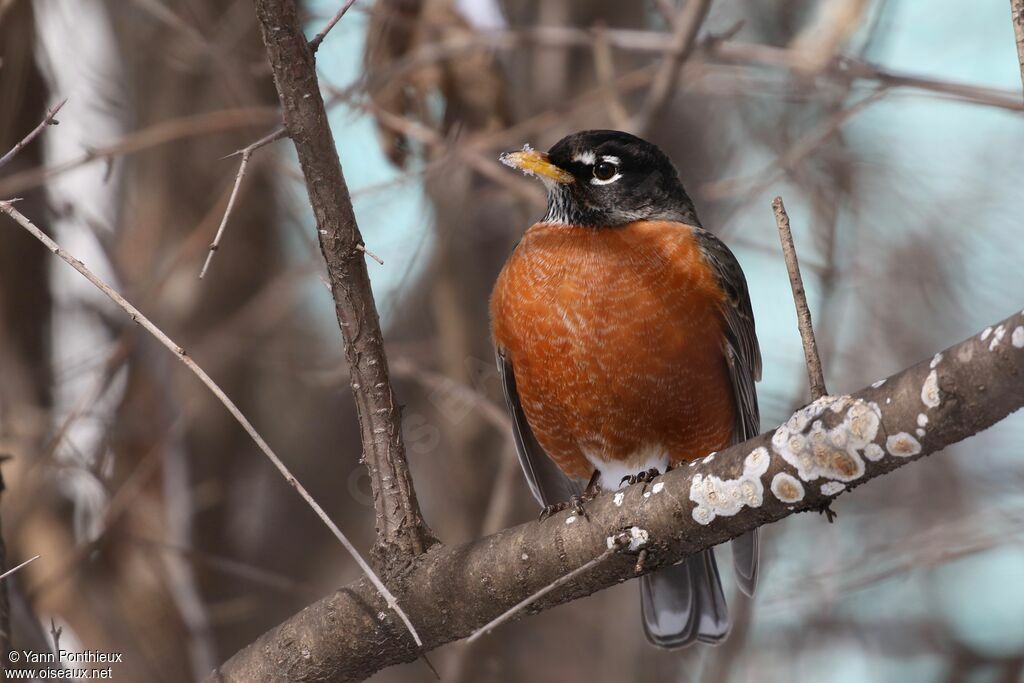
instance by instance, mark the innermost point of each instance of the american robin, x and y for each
(625, 340)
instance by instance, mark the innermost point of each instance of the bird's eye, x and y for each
(605, 170)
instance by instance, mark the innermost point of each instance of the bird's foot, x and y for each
(644, 477)
(575, 504)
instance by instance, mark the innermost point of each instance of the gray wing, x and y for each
(744, 358)
(547, 483)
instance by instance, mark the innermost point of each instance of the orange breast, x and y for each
(616, 338)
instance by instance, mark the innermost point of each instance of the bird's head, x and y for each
(606, 178)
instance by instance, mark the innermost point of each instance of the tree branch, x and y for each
(815, 374)
(48, 120)
(246, 153)
(825, 448)
(401, 532)
(7, 207)
(684, 38)
(1017, 15)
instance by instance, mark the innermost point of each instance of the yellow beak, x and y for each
(532, 162)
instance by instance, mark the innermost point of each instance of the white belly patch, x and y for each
(612, 471)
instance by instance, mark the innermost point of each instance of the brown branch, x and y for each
(1017, 15)
(604, 67)
(614, 545)
(7, 207)
(815, 374)
(401, 532)
(5, 594)
(47, 121)
(14, 569)
(451, 591)
(714, 52)
(684, 38)
(246, 153)
(314, 44)
(160, 133)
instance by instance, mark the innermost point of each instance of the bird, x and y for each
(626, 346)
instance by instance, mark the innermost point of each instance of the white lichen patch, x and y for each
(985, 333)
(831, 488)
(997, 337)
(920, 433)
(922, 420)
(570, 519)
(618, 498)
(1017, 338)
(638, 538)
(902, 445)
(930, 390)
(715, 496)
(787, 488)
(524, 557)
(835, 452)
(873, 452)
(875, 385)
(935, 361)
(966, 353)
(657, 488)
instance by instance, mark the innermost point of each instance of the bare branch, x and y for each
(815, 374)
(137, 316)
(1017, 15)
(362, 248)
(604, 66)
(47, 121)
(314, 44)
(246, 153)
(452, 591)
(158, 134)
(684, 37)
(56, 632)
(614, 545)
(215, 245)
(401, 532)
(14, 569)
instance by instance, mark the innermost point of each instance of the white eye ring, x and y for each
(597, 181)
(609, 161)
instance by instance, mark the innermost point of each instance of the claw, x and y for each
(646, 476)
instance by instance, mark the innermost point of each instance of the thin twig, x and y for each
(815, 375)
(170, 130)
(215, 245)
(1017, 14)
(314, 44)
(246, 153)
(619, 542)
(667, 11)
(14, 569)
(56, 632)
(48, 121)
(684, 37)
(8, 208)
(604, 67)
(362, 247)
(273, 136)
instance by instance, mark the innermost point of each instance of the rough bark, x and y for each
(401, 531)
(830, 446)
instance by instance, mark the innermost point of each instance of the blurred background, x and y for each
(892, 128)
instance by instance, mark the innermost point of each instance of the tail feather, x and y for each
(684, 603)
(745, 550)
